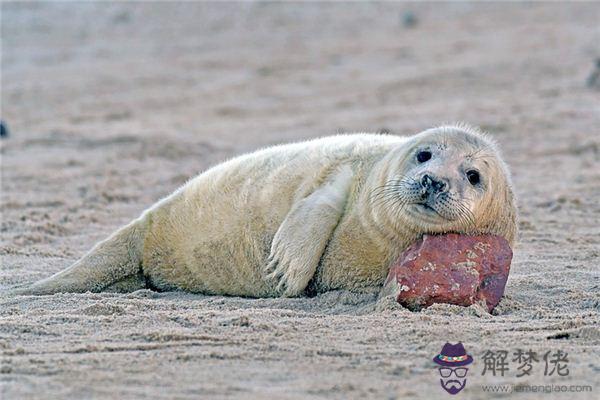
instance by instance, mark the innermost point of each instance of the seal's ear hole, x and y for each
(423, 156)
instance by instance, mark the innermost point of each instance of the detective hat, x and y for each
(453, 355)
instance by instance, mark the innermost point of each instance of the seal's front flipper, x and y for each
(302, 237)
(113, 264)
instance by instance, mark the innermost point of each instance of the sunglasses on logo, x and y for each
(459, 372)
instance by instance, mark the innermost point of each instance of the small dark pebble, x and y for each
(3, 129)
(122, 17)
(409, 19)
(593, 81)
(560, 335)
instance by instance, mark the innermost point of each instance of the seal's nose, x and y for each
(432, 184)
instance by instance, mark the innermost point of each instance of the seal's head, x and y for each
(447, 179)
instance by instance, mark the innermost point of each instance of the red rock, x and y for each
(451, 268)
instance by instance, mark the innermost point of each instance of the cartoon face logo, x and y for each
(453, 373)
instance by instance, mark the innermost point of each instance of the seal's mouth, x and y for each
(429, 209)
(430, 213)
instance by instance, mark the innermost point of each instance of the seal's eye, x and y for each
(423, 156)
(473, 177)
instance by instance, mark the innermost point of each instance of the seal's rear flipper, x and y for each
(113, 264)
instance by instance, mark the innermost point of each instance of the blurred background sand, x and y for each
(112, 106)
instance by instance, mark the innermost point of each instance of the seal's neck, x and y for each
(390, 240)
(389, 236)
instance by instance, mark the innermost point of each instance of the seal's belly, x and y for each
(351, 261)
(208, 238)
(201, 253)
(208, 268)
(223, 250)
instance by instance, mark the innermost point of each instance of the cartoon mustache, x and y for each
(452, 383)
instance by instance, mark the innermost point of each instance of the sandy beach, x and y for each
(112, 106)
